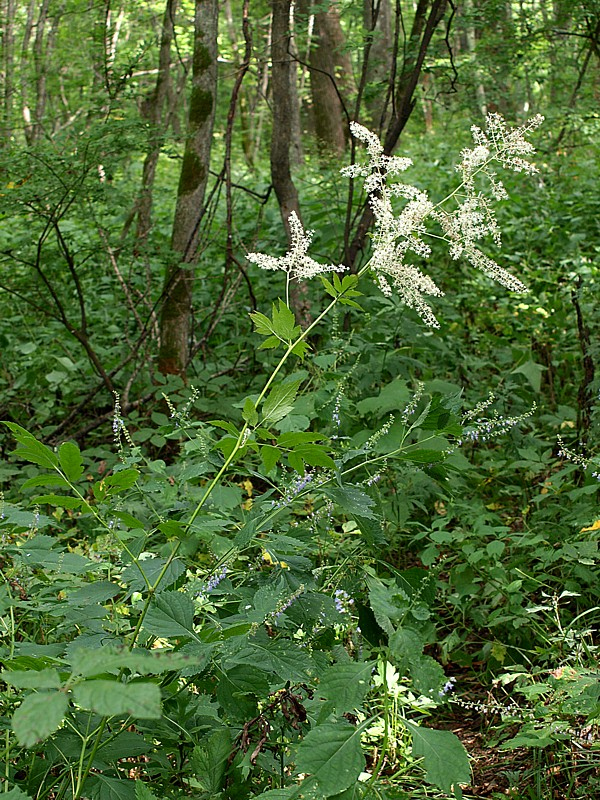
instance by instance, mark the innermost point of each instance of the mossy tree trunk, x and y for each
(177, 293)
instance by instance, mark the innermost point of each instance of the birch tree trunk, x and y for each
(177, 293)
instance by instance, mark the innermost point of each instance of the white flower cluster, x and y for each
(395, 236)
(295, 262)
(471, 220)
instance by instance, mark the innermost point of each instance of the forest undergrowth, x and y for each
(352, 559)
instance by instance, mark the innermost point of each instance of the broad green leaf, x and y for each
(533, 372)
(110, 698)
(103, 787)
(209, 761)
(345, 685)
(332, 754)
(445, 759)
(125, 745)
(38, 716)
(60, 501)
(249, 412)
(280, 402)
(30, 449)
(152, 568)
(124, 479)
(15, 794)
(142, 792)
(33, 679)
(71, 464)
(269, 456)
(314, 454)
(352, 500)
(171, 614)
(90, 662)
(239, 689)
(46, 480)
(129, 520)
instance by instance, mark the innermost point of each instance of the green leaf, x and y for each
(533, 372)
(314, 454)
(249, 412)
(445, 759)
(69, 457)
(124, 479)
(15, 794)
(152, 569)
(280, 402)
(332, 754)
(284, 322)
(110, 698)
(90, 662)
(38, 716)
(60, 501)
(345, 685)
(171, 614)
(33, 679)
(46, 480)
(142, 792)
(352, 500)
(30, 449)
(103, 787)
(269, 456)
(209, 761)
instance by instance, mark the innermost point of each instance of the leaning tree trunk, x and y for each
(177, 293)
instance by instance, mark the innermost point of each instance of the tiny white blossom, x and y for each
(295, 262)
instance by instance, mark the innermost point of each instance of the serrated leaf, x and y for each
(269, 456)
(352, 500)
(113, 698)
(209, 761)
(32, 679)
(39, 716)
(171, 614)
(15, 794)
(142, 792)
(90, 662)
(345, 685)
(332, 754)
(30, 449)
(103, 787)
(284, 322)
(280, 402)
(445, 759)
(152, 569)
(69, 457)
(249, 412)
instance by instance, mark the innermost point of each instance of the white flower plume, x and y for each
(295, 262)
(469, 219)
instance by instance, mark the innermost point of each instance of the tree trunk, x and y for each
(152, 110)
(177, 292)
(281, 136)
(328, 112)
(8, 64)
